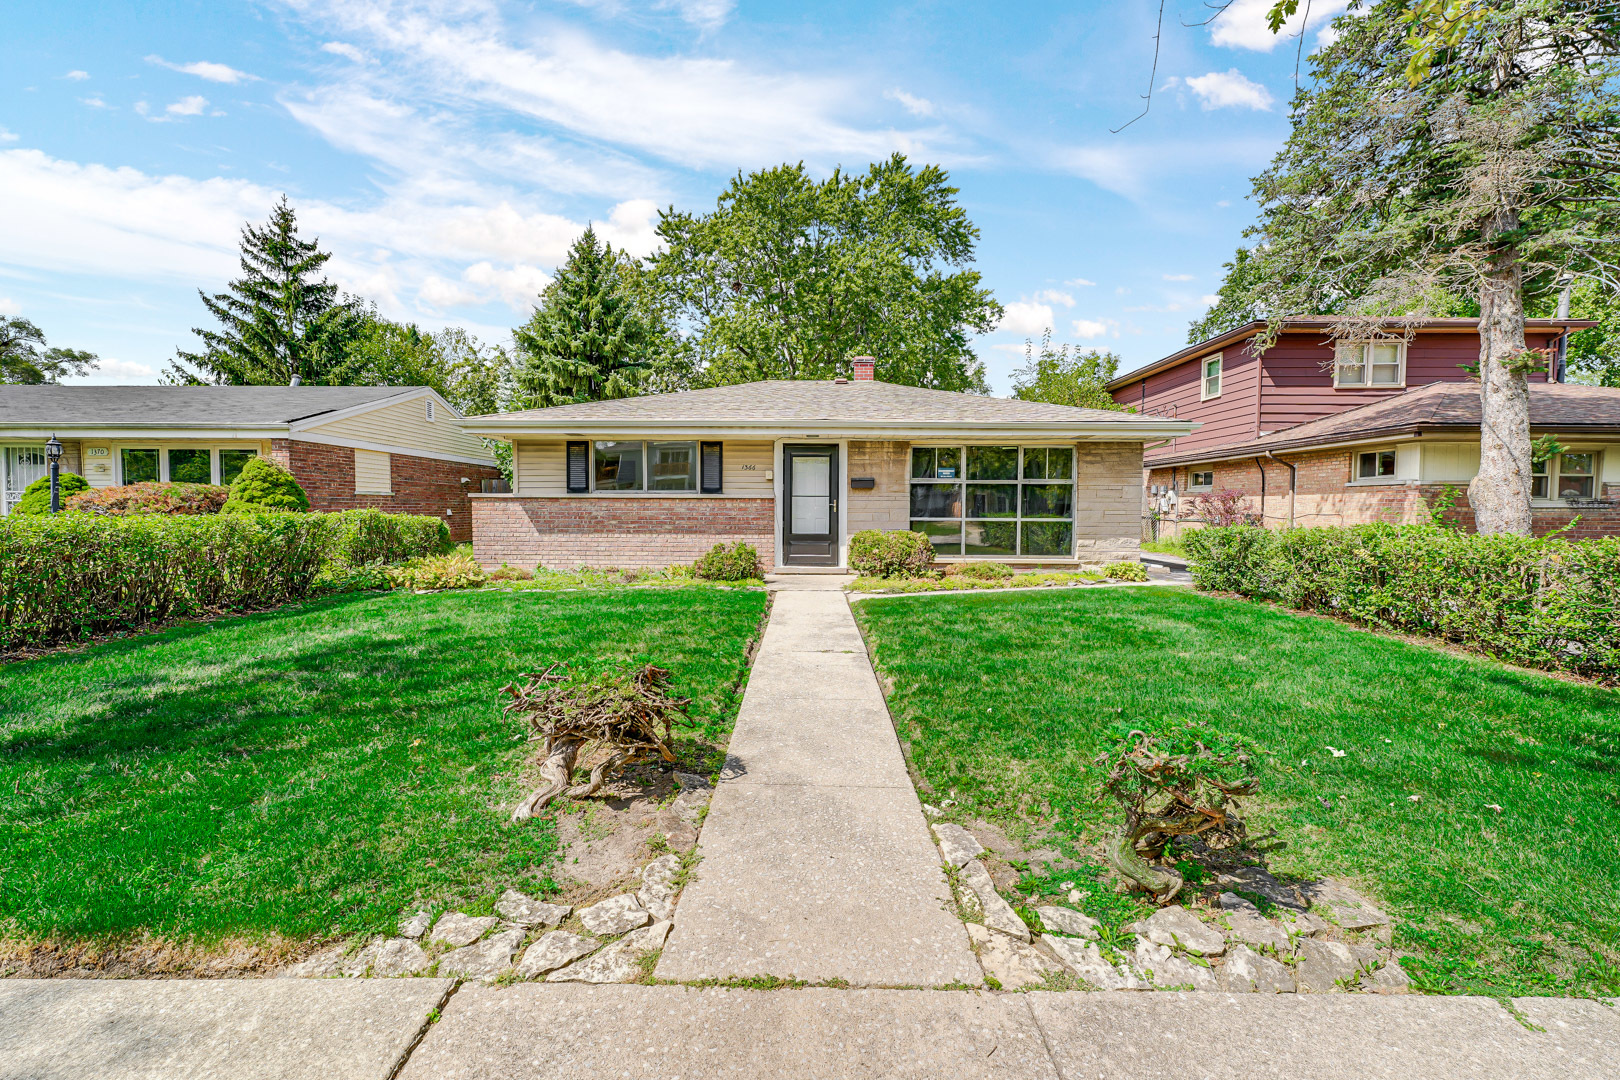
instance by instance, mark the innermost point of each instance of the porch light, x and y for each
(53, 456)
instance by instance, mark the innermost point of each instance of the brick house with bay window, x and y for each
(1317, 432)
(395, 448)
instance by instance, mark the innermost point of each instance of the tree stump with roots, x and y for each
(621, 718)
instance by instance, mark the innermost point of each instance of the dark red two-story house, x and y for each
(1317, 432)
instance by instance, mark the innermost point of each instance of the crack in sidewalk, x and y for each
(433, 1016)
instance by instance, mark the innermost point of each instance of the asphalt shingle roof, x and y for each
(1438, 406)
(179, 406)
(803, 400)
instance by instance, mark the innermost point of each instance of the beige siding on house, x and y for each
(1450, 463)
(371, 473)
(539, 469)
(405, 424)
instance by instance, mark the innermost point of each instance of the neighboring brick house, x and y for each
(794, 468)
(1314, 432)
(396, 448)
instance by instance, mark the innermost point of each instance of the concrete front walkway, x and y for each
(817, 863)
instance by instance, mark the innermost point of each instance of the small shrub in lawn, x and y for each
(510, 573)
(1542, 602)
(337, 578)
(1178, 782)
(1125, 571)
(981, 571)
(151, 497)
(739, 562)
(263, 483)
(457, 570)
(36, 497)
(875, 553)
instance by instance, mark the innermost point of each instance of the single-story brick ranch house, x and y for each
(1314, 431)
(795, 467)
(396, 448)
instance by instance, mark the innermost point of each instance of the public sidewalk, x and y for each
(817, 863)
(369, 1029)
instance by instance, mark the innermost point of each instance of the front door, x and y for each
(810, 505)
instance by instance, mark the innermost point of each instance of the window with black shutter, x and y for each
(579, 467)
(712, 469)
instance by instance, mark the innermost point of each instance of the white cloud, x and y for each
(94, 101)
(1086, 329)
(191, 105)
(1178, 277)
(1026, 317)
(344, 49)
(1054, 296)
(205, 69)
(410, 247)
(1209, 299)
(77, 76)
(916, 106)
(1224, 203)
(695, 111)
(1122, 291)
(1079, 282)
(114, 372)
(518, 286)
(1243, 24)
(8, 306)
(1229, 89)
(142, 108)
(7, 136)
(706, 14)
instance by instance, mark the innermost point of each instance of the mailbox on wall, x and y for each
(862, 483)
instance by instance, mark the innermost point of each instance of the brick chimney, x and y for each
(865, 368)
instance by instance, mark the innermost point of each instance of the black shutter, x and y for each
(711, 471)
(579, 467)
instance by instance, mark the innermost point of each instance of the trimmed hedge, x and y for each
(65, 577)
(739, 562)
(890, 554)
(265, 484)
(1546, 603)
(37, 496)
(151, 497)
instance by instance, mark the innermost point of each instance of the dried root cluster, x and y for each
(612, 719)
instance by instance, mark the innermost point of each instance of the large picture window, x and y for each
(994, 501)
(645, 466)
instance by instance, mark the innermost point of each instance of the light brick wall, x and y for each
(1325, 496)
(1108, 501)
(563, 533)
(887, 506)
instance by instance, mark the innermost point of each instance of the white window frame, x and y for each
(1018, 519)
(1372, 481)
(1366, 366)
(1204, 376)
(646, 469)
(116, 456)
(1554, 473)
(1192, 486)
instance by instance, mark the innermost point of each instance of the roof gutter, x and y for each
(1152, 430)
(1239, 453)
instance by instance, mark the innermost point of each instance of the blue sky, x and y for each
(446, 151)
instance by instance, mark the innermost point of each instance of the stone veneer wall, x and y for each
(887, 506)
(625, 532)
(1108, 501)
(420, 485)
(1325, 496)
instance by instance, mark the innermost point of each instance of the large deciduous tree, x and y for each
(474, 377)
(1449, 153)
(587, 340)
(789, 278)
(25, 358)
(1060, 376)
(279, 320)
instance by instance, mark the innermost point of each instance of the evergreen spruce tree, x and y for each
(586, 341)
(278, 320)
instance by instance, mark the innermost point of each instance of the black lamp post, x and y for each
(53, 455)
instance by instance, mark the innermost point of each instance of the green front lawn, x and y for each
(1002, 699)
(314, 770)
